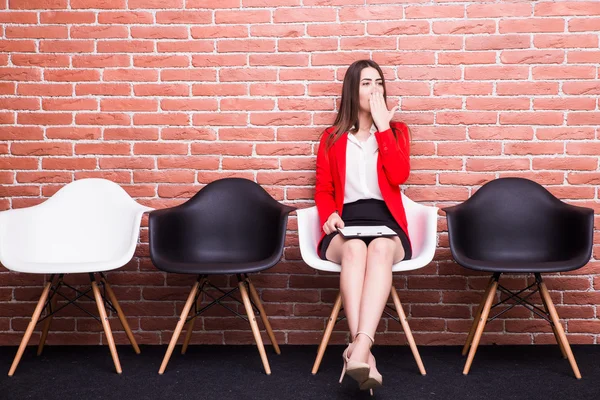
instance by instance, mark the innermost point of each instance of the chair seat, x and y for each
(213, 268)
(67, 268)
(521, 266)
(417, 262)
(422, 226)
(89, 225)
(516, 225)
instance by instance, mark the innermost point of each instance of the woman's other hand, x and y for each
(333, 222)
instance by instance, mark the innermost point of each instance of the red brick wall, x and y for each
(164, 96)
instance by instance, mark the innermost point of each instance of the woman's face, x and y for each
(370, 81)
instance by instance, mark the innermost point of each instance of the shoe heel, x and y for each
(343, 372)
(345, 365)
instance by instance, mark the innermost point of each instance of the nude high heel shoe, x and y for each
(373, 380)
(345, 358)
(359, 371)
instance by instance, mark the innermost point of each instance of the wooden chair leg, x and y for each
(560, 344)
(190, 328)
(481, 325)
(115, 303)
(254, 326)
(34, 319)
(263, 315)
(407, 331)
(51, 307)
(179, 327)
(476, 318)
(559, 329)
(327, 334)
(189, 332)
(106, 326)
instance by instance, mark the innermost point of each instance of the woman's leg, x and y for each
(352, 254)
(381, 254)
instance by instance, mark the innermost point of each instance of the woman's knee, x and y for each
(382, 248)
(354, 250)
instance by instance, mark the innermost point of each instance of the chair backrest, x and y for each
(511, 219)
(309, 233)
(89, 220)
(230, 220)
(419, 220)
(422, 231)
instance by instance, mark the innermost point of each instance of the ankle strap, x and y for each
(367, 335)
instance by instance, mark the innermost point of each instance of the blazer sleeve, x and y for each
(324, 188)
(395, 153)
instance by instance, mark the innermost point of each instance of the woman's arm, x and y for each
(324, 189)
(395, 153)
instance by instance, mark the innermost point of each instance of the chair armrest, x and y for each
(577, 223)
(165, 228)
(455, 220)
(281, 235)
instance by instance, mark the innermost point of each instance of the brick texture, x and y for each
(165, 96)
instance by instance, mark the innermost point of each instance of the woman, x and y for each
(362, 160)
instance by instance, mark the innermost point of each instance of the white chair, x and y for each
(89, 226)
(422, 230)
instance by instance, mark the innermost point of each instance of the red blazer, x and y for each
(393, 168)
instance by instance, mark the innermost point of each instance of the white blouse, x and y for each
(361, 169)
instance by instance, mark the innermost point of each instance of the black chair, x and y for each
(231, 226)
(514, 225)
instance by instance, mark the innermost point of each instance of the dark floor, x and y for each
(235, 372)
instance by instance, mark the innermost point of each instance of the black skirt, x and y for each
(365, 213)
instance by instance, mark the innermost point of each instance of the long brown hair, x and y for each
(349, 106)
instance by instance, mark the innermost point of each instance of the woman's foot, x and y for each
(356, 367)
(360, 350)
